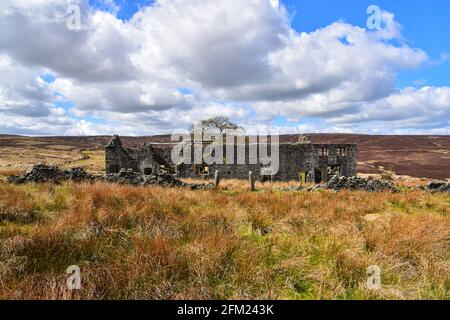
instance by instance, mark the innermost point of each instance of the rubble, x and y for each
(138, 179)
(438, 186)
(338, 183)
(43, 173)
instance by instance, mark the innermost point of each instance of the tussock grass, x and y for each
(162, 243)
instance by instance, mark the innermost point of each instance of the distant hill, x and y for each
(416, 156)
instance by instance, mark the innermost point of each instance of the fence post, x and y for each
(216, 178)
(251, 181)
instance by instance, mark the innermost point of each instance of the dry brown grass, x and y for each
(16, 160)
(161, 243)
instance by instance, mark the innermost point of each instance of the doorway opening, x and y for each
(317, 176)
(114, 168)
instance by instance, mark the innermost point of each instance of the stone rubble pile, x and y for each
(138, 179)
(338, 183)
(43, 173)
(438, 186)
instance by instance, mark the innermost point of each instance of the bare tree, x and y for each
(218, 125)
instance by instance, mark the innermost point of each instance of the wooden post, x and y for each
(251, 181)
(217, 178)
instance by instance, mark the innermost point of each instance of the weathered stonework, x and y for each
(306, 162)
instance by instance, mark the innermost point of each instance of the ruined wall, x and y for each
(347, 163)
(118, 158)
(150, 159)
(232, 167)
(145, 159)
(296, 161)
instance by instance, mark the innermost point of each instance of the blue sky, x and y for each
(181, 62)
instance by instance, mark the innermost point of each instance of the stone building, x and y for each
(297, 162)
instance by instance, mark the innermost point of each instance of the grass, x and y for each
(90, 160)
(16, 160)
(162, 243)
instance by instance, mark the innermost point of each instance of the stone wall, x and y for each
(118, 158)
(296, 162)
(233, 167)
(347, 163)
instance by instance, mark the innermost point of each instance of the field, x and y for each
(229, 243)
(155, 243)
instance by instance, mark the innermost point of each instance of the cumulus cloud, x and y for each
(22, 91)
(241, 59)
(35, 34)
(214, 44)
(428, 106)
(124, 96)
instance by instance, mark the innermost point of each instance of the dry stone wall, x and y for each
(306, 162)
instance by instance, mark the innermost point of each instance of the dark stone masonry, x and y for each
(297, 162)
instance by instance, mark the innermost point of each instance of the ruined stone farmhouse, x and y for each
(297, 162)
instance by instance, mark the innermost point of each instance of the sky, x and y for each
(100, 67)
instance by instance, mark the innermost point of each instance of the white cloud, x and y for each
(213, 44)
(22, 91)
(426, 107)
(361, 67)
(241, 53)
(124, 96)
(35, 34)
